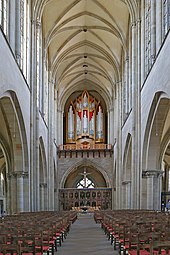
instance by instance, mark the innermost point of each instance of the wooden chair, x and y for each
(10, 249)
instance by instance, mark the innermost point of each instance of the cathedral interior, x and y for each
(95, 131)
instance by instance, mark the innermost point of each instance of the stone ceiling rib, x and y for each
(90, 33)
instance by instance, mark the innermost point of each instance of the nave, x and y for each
(86, 237)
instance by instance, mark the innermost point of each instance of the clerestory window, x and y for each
(166, 16)
(4, 15)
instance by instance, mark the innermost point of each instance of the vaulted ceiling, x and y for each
(84, 42)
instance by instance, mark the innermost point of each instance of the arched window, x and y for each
(4, 10)
(89, 184)
(24, 28)
(166, 16)
(147, 35)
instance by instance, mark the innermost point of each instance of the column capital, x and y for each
(36, 23)
(43, 185)
(133, 24)
(151, 173)
(126, 182)
(17, 174)
(51, 81)
(111, 109)
(127, 59)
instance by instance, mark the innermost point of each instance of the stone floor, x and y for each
(86, 237)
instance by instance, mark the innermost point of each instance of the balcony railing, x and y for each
(85, 147)
(85, 150)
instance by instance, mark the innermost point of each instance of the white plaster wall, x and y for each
(11, 79)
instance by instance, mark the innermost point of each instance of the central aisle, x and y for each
(86, 237)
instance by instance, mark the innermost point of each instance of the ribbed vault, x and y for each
(84, 42)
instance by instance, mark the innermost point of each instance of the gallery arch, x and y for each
(156, 169)
(14, 156)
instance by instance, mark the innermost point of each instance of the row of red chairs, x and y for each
(137, 232)
(34, 233)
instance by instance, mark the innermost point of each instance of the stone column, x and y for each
(111, 126)
(153, 188)
(126, 202)
(127, 106)
(43, 196)
(18, 31)
(119, 148)
(60, 126)
(135, 180)
(20, 191)
(56, 198)
(51, 155)
(9, 198)
(138, 117)
(34, 123)
(153, 31)
(142, 43)
(17, 195)
(26, 191)
(12, 193)
(158, 24)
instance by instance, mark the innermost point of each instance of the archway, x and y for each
(155, 145)
(85, 188)
(14, 156)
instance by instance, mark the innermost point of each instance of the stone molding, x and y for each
(126, 182)
(151, 173)
(43, 185)
(18, 174)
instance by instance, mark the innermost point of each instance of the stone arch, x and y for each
(87, 163)
(154, 131)
(155, 134)
(15, 148)
(5, 164)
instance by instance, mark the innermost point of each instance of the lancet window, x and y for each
(147, 35)
(4, 15)
(85, 120)
(166, 16)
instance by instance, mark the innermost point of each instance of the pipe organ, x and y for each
(85, 120)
